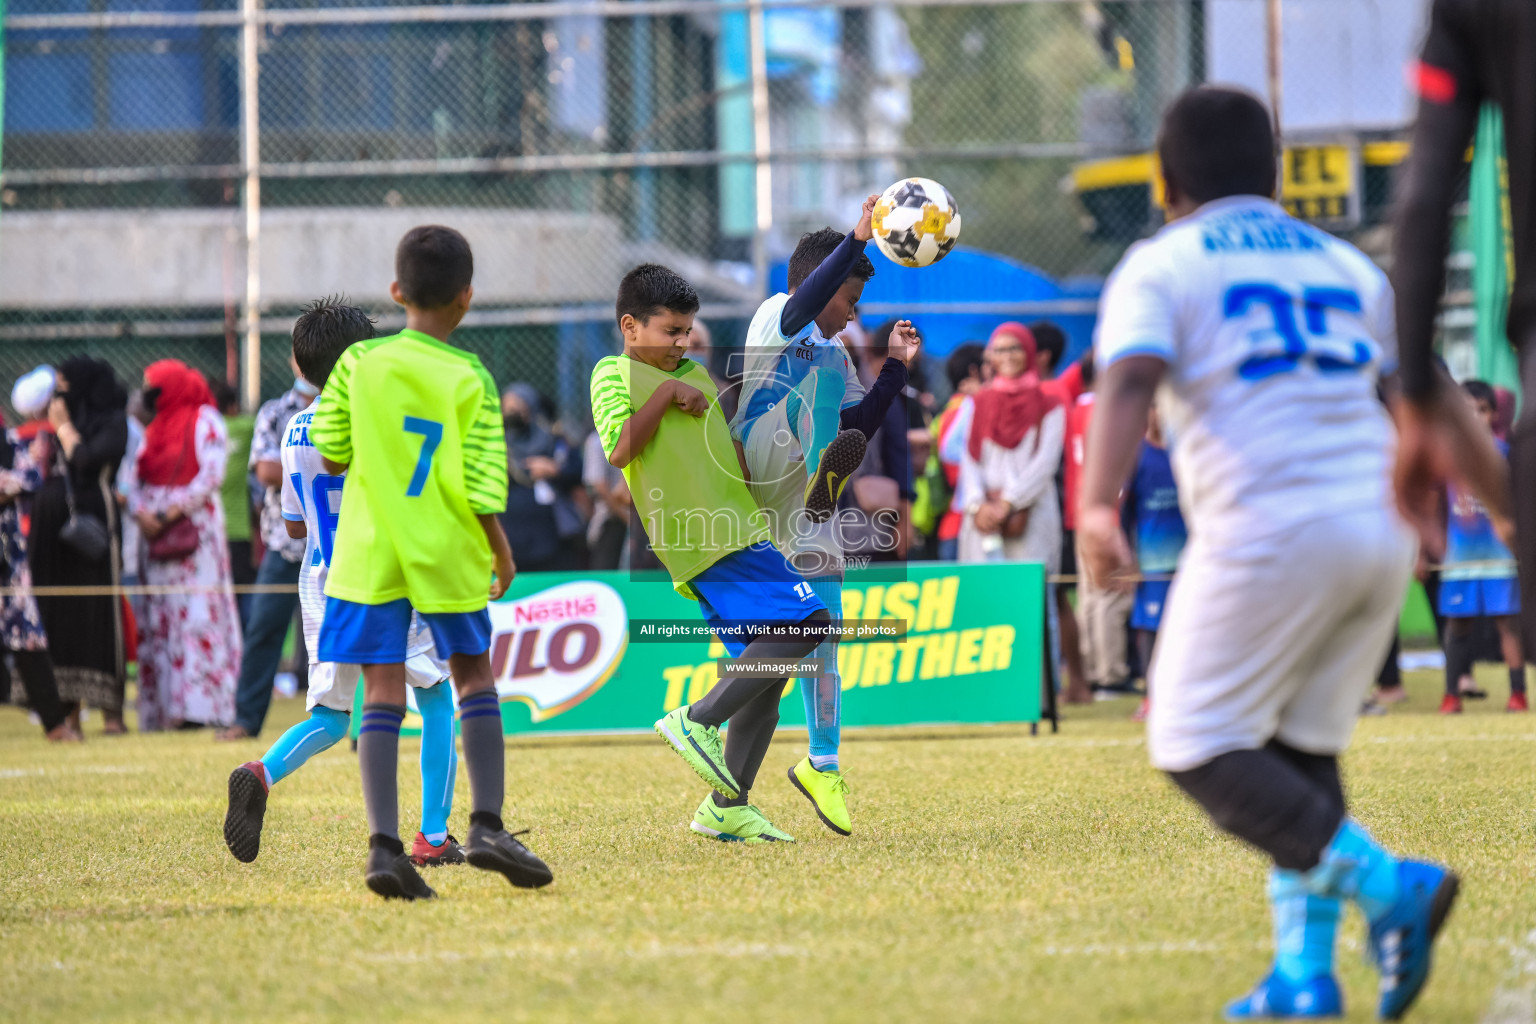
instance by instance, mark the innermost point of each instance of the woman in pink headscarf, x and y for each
(1006, 490)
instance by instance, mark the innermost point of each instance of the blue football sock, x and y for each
(1306, 927)
(439, 760)
(823, 696)
(814, 413)
(317, 733)
(1355, 867)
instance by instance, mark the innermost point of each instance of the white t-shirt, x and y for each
(775, 363)
(1275, 334)
(312, 496)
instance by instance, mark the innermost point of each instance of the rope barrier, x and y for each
(154, 590)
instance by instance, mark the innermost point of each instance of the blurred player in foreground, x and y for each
(802, 425)
(311, 500)
(660, 422)
(416, 426)
(1262, 339)
(1476, 51)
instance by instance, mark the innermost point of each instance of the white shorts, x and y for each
(1277, 639)
(335, 686)
(777, 468)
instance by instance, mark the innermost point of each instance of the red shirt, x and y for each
(1066, 387)
(1076, 444)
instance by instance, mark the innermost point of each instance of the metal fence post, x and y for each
(250, 162)
(760, 144)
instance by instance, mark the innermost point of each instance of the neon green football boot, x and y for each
(744, 824)
(827, 792)
(701, 747)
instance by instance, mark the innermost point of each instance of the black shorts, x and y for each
(1068, 555)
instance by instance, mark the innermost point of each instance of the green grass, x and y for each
(991, 876)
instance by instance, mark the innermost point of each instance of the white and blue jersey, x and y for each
(776, 362)
(1156, 528)
(1478, 575)
(312, 496)
(1275, 334)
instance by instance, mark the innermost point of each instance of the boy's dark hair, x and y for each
(1481, 391)
(433, 265)
(650, 288)
(322, 333)
(964, 361)
(225, 397)
(816, 246)
(1218, 141)
(1049, 340)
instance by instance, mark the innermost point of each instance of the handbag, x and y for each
(85, 533)
(177, 541)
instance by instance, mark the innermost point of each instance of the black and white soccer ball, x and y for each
(916, 222)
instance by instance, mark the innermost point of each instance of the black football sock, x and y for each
(378, 755)
(1264, 798)
(1459, 642)
(485, 756)
(746, 742)
(1517, 680)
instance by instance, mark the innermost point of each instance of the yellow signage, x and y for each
(1317, 182)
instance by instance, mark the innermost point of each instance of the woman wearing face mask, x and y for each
(541, 521)
(189, 640)
(85, 634)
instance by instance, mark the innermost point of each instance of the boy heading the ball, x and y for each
(1262, 339)
(311, 509)
(416, 426)
(658, 416)
(801, 426)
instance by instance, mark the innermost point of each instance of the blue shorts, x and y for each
(376, 634)
(749, 589)
(1470, 599)
(1151, 599)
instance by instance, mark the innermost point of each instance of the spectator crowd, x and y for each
(171, 485)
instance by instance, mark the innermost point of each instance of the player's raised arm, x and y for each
(820, 286)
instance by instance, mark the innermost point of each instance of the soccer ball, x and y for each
(916, 222)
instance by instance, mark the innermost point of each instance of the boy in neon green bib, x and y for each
(658, 416)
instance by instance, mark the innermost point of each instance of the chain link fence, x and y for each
(570, 141)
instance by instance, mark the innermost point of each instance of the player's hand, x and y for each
(1106, 556)
(904, 342)
(689, 399)
(864, 230)
(1442, 440)
(506, 572)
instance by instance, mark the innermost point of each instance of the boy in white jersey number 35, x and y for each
(1262, 339)
(312, 506)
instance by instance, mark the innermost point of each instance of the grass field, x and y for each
(991, 876)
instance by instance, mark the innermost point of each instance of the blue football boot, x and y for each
(1274, 998)
(1402, 941)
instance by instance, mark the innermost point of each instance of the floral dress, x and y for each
(21, 627)
(189, 643)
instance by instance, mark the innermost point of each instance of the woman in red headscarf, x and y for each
(1006, 490)
(189, 642)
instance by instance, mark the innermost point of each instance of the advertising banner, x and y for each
(587, 652)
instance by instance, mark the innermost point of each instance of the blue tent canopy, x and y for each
(935, 298)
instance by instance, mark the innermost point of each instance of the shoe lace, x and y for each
(840, 784)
